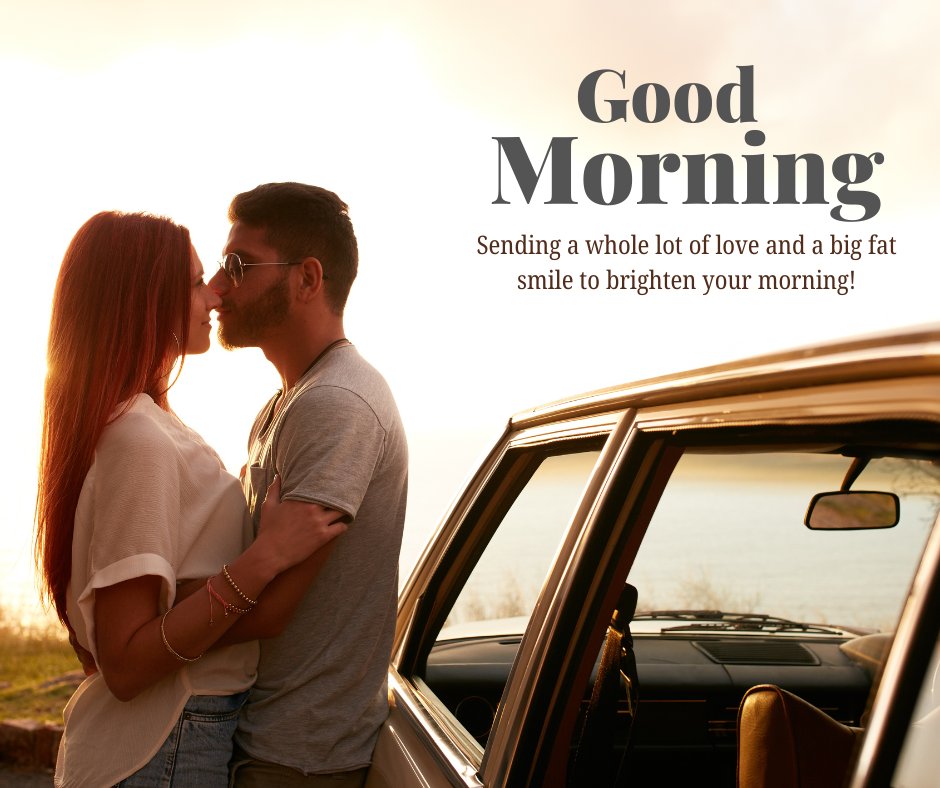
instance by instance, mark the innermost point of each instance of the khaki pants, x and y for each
(247, 772)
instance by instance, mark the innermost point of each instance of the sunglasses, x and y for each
(234, 267)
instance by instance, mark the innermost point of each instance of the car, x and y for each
(725, 576)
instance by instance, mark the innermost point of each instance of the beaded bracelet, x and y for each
(167, 642)
(234, 585)
(227, 606)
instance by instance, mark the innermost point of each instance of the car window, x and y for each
(524, 520)
(505, 583)
(735, 591)
(729, 534)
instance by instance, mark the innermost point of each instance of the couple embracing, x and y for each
(231, 629)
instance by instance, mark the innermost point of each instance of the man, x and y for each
(334, 436)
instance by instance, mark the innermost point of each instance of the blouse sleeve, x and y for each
(133, 511)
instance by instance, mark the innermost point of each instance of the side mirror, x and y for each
(852, 510)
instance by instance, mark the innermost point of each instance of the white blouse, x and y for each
(156, 501)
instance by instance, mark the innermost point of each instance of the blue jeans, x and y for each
(198, 749)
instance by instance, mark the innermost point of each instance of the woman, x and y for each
(143, 538)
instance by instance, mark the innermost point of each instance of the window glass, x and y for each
(919, 765)
(506, 582)
(473, 653)
(728, 535)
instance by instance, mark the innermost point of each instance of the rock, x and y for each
(71, 679)
(29, 744)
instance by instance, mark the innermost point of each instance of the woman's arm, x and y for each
(137, 645)
(279, 600)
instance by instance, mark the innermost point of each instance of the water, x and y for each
(747, 551)
(728, 534)
(701, 557)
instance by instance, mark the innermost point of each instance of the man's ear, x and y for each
(311, 282)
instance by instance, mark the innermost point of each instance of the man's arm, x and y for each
(280, 598)
(276, 604)
(278, 601)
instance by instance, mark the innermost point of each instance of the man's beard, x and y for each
(247, 325)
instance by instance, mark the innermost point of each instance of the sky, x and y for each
(173, 108)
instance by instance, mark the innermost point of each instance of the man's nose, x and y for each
(220, 284)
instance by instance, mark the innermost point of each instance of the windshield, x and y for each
(728, 539)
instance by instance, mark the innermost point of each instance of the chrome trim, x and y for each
(510, 716)
(452, 760)
(568, 429)
(912, 619)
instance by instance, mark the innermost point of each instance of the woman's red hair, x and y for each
(120, 315)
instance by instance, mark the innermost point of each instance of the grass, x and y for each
(32, 661)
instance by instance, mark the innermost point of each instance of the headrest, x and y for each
(785, 741)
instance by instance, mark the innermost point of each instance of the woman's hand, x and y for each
(293, 530)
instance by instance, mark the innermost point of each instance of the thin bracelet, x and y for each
(167, 642)
(209, 591)
(234, 585)
(228, 607)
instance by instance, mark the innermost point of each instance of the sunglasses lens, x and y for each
(232, 266)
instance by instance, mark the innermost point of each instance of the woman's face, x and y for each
(204, 300)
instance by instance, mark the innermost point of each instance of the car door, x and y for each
(474, 590)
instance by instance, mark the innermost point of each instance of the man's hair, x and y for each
(300, 221)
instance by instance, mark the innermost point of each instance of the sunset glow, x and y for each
(174, 108)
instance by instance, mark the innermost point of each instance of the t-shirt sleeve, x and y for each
(135, 511)
(328, 448)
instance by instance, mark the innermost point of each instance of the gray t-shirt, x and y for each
(321, 693)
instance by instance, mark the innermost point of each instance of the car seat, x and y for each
(785, 742)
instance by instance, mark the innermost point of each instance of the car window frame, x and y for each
(452, 556)
(639, 465)
(487, 500)
(904, 672)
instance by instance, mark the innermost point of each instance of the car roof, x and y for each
(904, 352)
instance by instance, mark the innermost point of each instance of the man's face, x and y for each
(250, 312)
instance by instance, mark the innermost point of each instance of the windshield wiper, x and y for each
(718, 620)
